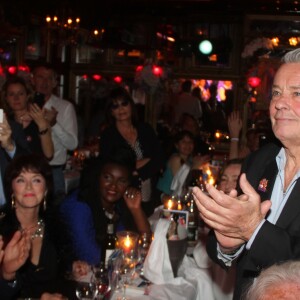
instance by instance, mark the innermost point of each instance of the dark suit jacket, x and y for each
(20, 143)
(273, 243)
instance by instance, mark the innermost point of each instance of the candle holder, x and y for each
(127, 241)
(170, 203)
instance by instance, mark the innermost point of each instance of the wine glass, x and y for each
(101, 280)
(130, 260)
(85, 290)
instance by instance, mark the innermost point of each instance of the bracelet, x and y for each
(234, 139)
(42, 132)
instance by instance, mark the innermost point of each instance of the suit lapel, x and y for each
(291, 208)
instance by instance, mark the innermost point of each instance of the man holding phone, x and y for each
(62, 119)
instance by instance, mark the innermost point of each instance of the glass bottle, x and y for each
(192, 219)
(109, 244)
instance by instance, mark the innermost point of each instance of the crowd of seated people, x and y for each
(42, 238)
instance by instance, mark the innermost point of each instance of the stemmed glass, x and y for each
(86, 290)
(101, 280)
(130, 260)
(127, 241)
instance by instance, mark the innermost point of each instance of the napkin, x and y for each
(179, 179)
(157, 266)
(221, 281)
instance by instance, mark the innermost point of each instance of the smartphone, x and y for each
(39, 99)
(1, 115)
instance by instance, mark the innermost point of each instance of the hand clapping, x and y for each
(233, 218)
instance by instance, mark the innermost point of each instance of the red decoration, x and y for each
(12, 70)
(118, 79)
(23, 68)
(139, 68)
(157, 71)
(254, 81)
(97, 77)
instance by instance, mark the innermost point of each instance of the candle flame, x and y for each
(170, 204)
(127, 242)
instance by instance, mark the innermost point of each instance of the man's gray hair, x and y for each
(292, 56)
(287, 272)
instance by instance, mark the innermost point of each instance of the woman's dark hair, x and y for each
(54, 227)
(119, 94)
(182, 134)
(234, 161)
(89, 180)
(28, 162)
(89, 185)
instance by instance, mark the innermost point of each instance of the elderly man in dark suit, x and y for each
(261, 225)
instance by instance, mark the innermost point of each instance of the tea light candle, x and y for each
(169, 204)
(127, 240)
(127, 243)
(179, 205)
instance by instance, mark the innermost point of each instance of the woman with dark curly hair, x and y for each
(105, 195)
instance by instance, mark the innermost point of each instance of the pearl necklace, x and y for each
(39, 232)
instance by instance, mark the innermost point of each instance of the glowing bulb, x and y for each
(205, 47)
(275, 41)
(293, 41)
(139, 68)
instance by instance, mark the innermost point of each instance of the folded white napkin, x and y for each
(157, 266)
(179, 179)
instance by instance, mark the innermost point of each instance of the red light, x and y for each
(157, 71)
(12, 70)
(85, 77)
(23, 68)
(254, 81)
(118, 79)
(139, 68)
(97, 76)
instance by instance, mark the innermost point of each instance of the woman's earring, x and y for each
(45, 202)
(12, 201)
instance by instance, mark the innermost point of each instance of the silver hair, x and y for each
(287, 272)
(292, 56)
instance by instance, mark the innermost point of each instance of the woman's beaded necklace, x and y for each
(39, 232)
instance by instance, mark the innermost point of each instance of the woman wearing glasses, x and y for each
(125, 130)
